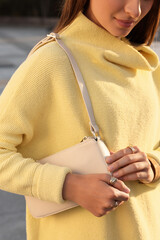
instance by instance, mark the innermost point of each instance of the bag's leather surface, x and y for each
(84, 158)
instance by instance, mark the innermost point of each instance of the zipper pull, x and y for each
(89, 137)
(84, 139)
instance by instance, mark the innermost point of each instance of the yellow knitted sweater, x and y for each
(41, 112)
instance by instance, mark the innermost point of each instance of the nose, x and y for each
(133, 8)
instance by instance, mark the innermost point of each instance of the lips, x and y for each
(124, 23)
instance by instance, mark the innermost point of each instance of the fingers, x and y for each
(111, 152)
(118, 191)
(135, 176)
(135, 166)
(118, 184)
(145, 176)
(114, 206)
(121, 153)
(123, 162)
(131, 168)
(100, 196)
(128, 159)
(115, 197)
(120, 196)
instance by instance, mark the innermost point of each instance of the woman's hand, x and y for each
(129, 166)
(93, 192)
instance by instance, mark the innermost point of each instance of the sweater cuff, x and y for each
(48, 182)
(156, 168)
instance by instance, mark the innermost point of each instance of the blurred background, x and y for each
(22, 25)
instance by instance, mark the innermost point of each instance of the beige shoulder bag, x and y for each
(84, 158)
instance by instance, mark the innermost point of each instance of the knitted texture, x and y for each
(42, 112)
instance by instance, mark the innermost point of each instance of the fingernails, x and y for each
(127, 190)
(110, 168)
(115, 174)
(108, 159)
(111, 152)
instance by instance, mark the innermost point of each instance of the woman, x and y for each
(42, 113)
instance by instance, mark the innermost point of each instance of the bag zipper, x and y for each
(90, 137)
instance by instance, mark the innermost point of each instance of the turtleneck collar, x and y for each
(117, 51)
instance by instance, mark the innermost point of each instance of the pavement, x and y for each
(15, 44)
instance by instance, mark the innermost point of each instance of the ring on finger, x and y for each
(112, 180)
(132, 149)
(116, 203)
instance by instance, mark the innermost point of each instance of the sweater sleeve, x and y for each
(23, 99)
(154, 158)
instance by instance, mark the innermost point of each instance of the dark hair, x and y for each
(142, 33)
(145, 30)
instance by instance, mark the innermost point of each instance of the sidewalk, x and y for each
(15, 44)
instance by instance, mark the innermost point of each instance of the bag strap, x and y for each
(54, 36)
